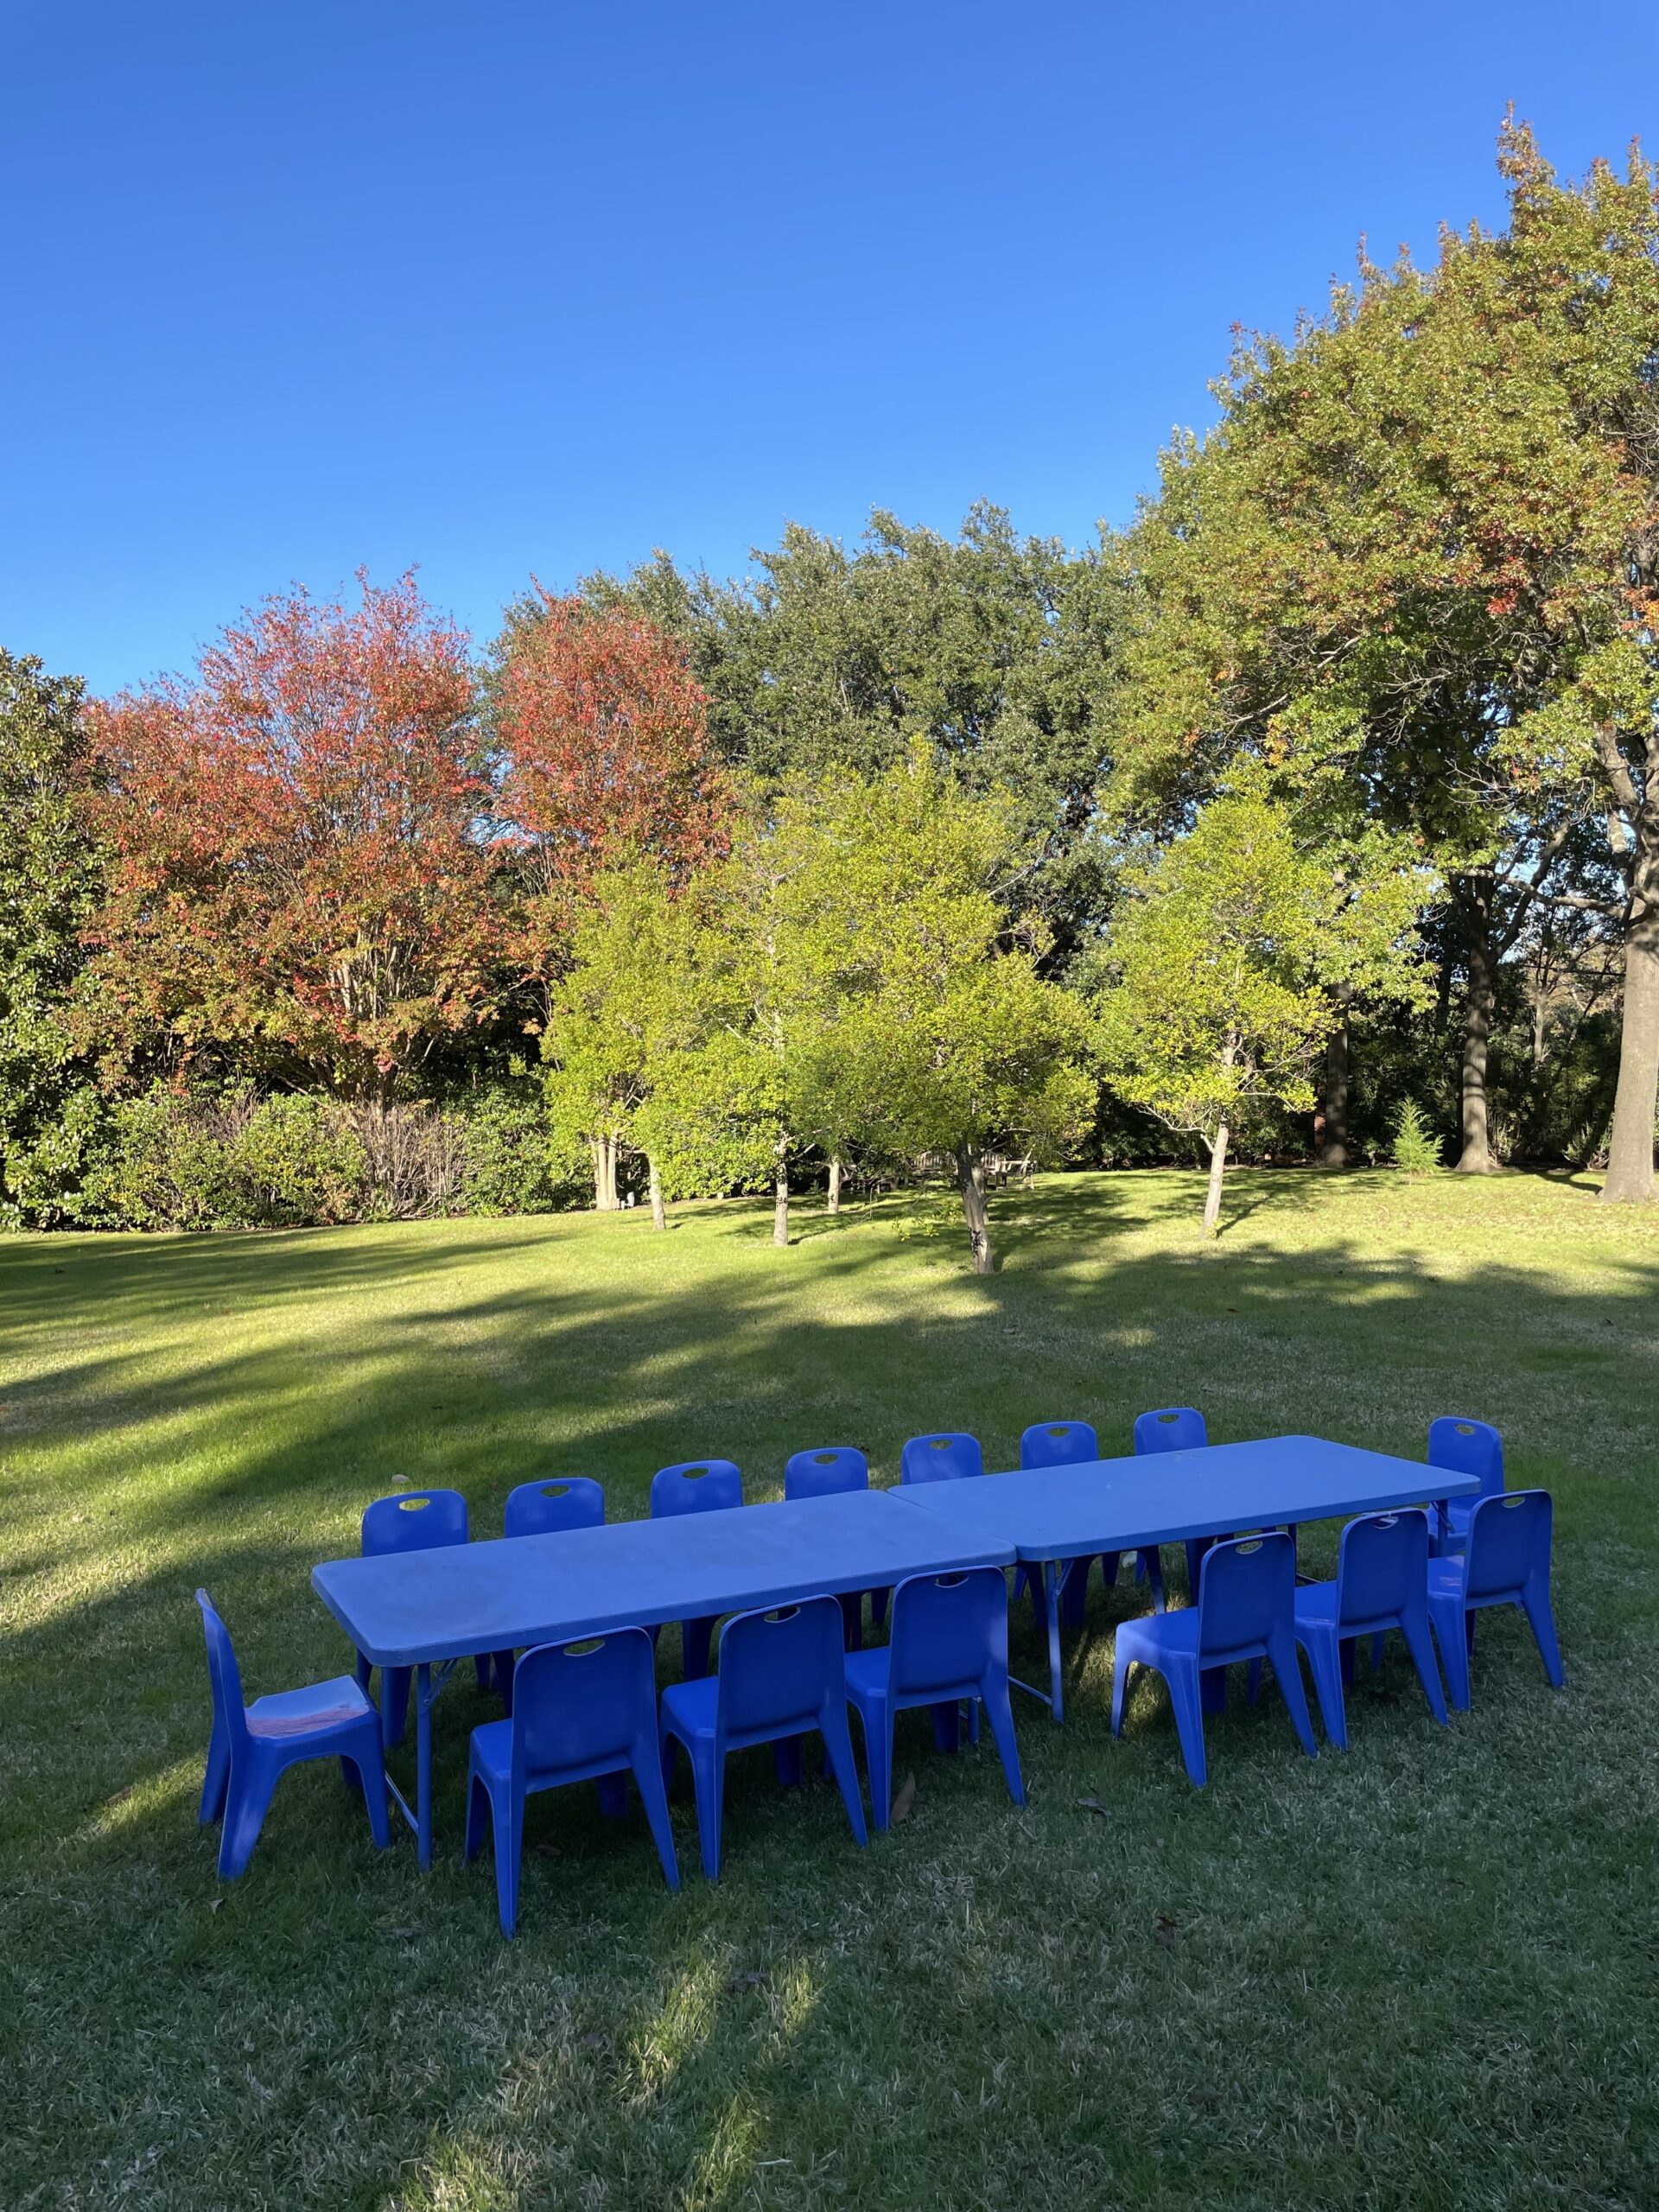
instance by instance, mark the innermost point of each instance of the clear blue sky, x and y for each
(496, 288)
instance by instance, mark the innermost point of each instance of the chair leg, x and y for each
(246, 1804)
(483, 1666)
(1212, 1689)
(1253, 1682)
(1187, 1697)
(394, 1704)
(479, 1808)
(1152, 1567)
(1074, 1593)
(1120, 1687)
(999, 1714)
(1288, 1672)
(709, 1780)
(947, 1727)
(509, 1851)
(852, 1619)
(1449, 1633)
(503, 1663)
(1325, 1659)
(217, 1779)
(838, 1754)
(877, 1724)
(1534, 1604)
(1420, 1645)
(613, 1796)
(786, 1759)
(648, 1775)
(695, 1639)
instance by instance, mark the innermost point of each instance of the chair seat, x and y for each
(694, 1706)
(868, 1672)
(1446, 1577)
(333, 1704)
(1155, 1632)
(492, 1749)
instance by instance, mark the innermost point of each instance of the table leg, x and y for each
(423, 1762)
(1051, 1596)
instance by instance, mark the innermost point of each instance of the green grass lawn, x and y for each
(1419, 1975)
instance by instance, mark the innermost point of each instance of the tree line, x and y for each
(1322, 793)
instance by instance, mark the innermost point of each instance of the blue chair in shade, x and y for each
(541, 1509)
(941, 1457)
(582, 1712)
(822, 1474)
(1470, 1447)
(414, 1521)
(1246, 1609)
(949, 1642)
(1381, 1583)
(1068, 1444)
(1174, 1429)
(251, 1746)
(1506, 1562)
(696, 1486)
(782, 1673)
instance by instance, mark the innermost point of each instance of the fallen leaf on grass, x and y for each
(213, 1904)
(751, 1977)
(120, 1796)
(1164, 1933)
(1205, 2099)
(406, 1935)
(903, 1800)
(593, 2041)
(1093, 1805)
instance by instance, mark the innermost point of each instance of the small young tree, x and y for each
(1219, 973)
(927, 1027)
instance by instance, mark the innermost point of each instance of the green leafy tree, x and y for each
(50, 879)
(935, 1031)
(1220, 974)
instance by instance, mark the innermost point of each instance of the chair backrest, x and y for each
(779, 1664)
(576, 1702)
(415, 1520)
(1170, 1429)
(1058, 1444)
(940, 1457)
(818, 1474)
(223, 1673)
(1382, 1565)
(948, 1628)
(1247, 1589)
(1470, 1447)
(1508, 1542)
(696, 1486)
(568, 1501)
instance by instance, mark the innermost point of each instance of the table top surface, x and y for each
(404, 1608)
(1102, 1505)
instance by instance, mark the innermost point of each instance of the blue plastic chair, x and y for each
(824, 1473)
(782, 1673)
(1246, 1609)
(1506, 1562)
(414, 1521)
(582, 1711)
(1381, 1583)
(1470, 1447)
(1174, 1429)
(541, 1509)
(695, 1486)
(941, 1457)
(949, 1642)
(1069, 1444)
(251, 1746)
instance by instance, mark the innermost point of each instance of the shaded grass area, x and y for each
(1419, 1975)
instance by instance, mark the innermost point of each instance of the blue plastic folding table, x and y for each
(428, 1610)
(1054, 1515)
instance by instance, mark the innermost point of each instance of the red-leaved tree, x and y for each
(296, 876)
(605, 750)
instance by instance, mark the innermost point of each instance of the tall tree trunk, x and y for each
(1474, 900)
(604, 1152)
(658, 1212)
(1333, 1136)
(970, 1180)
(1217, 1167)
(1630, 1151)
(832, 1204)
(780, 1195)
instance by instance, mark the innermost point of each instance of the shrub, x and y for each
(1416, 1149)
(509, 1164)
(302, 1161)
